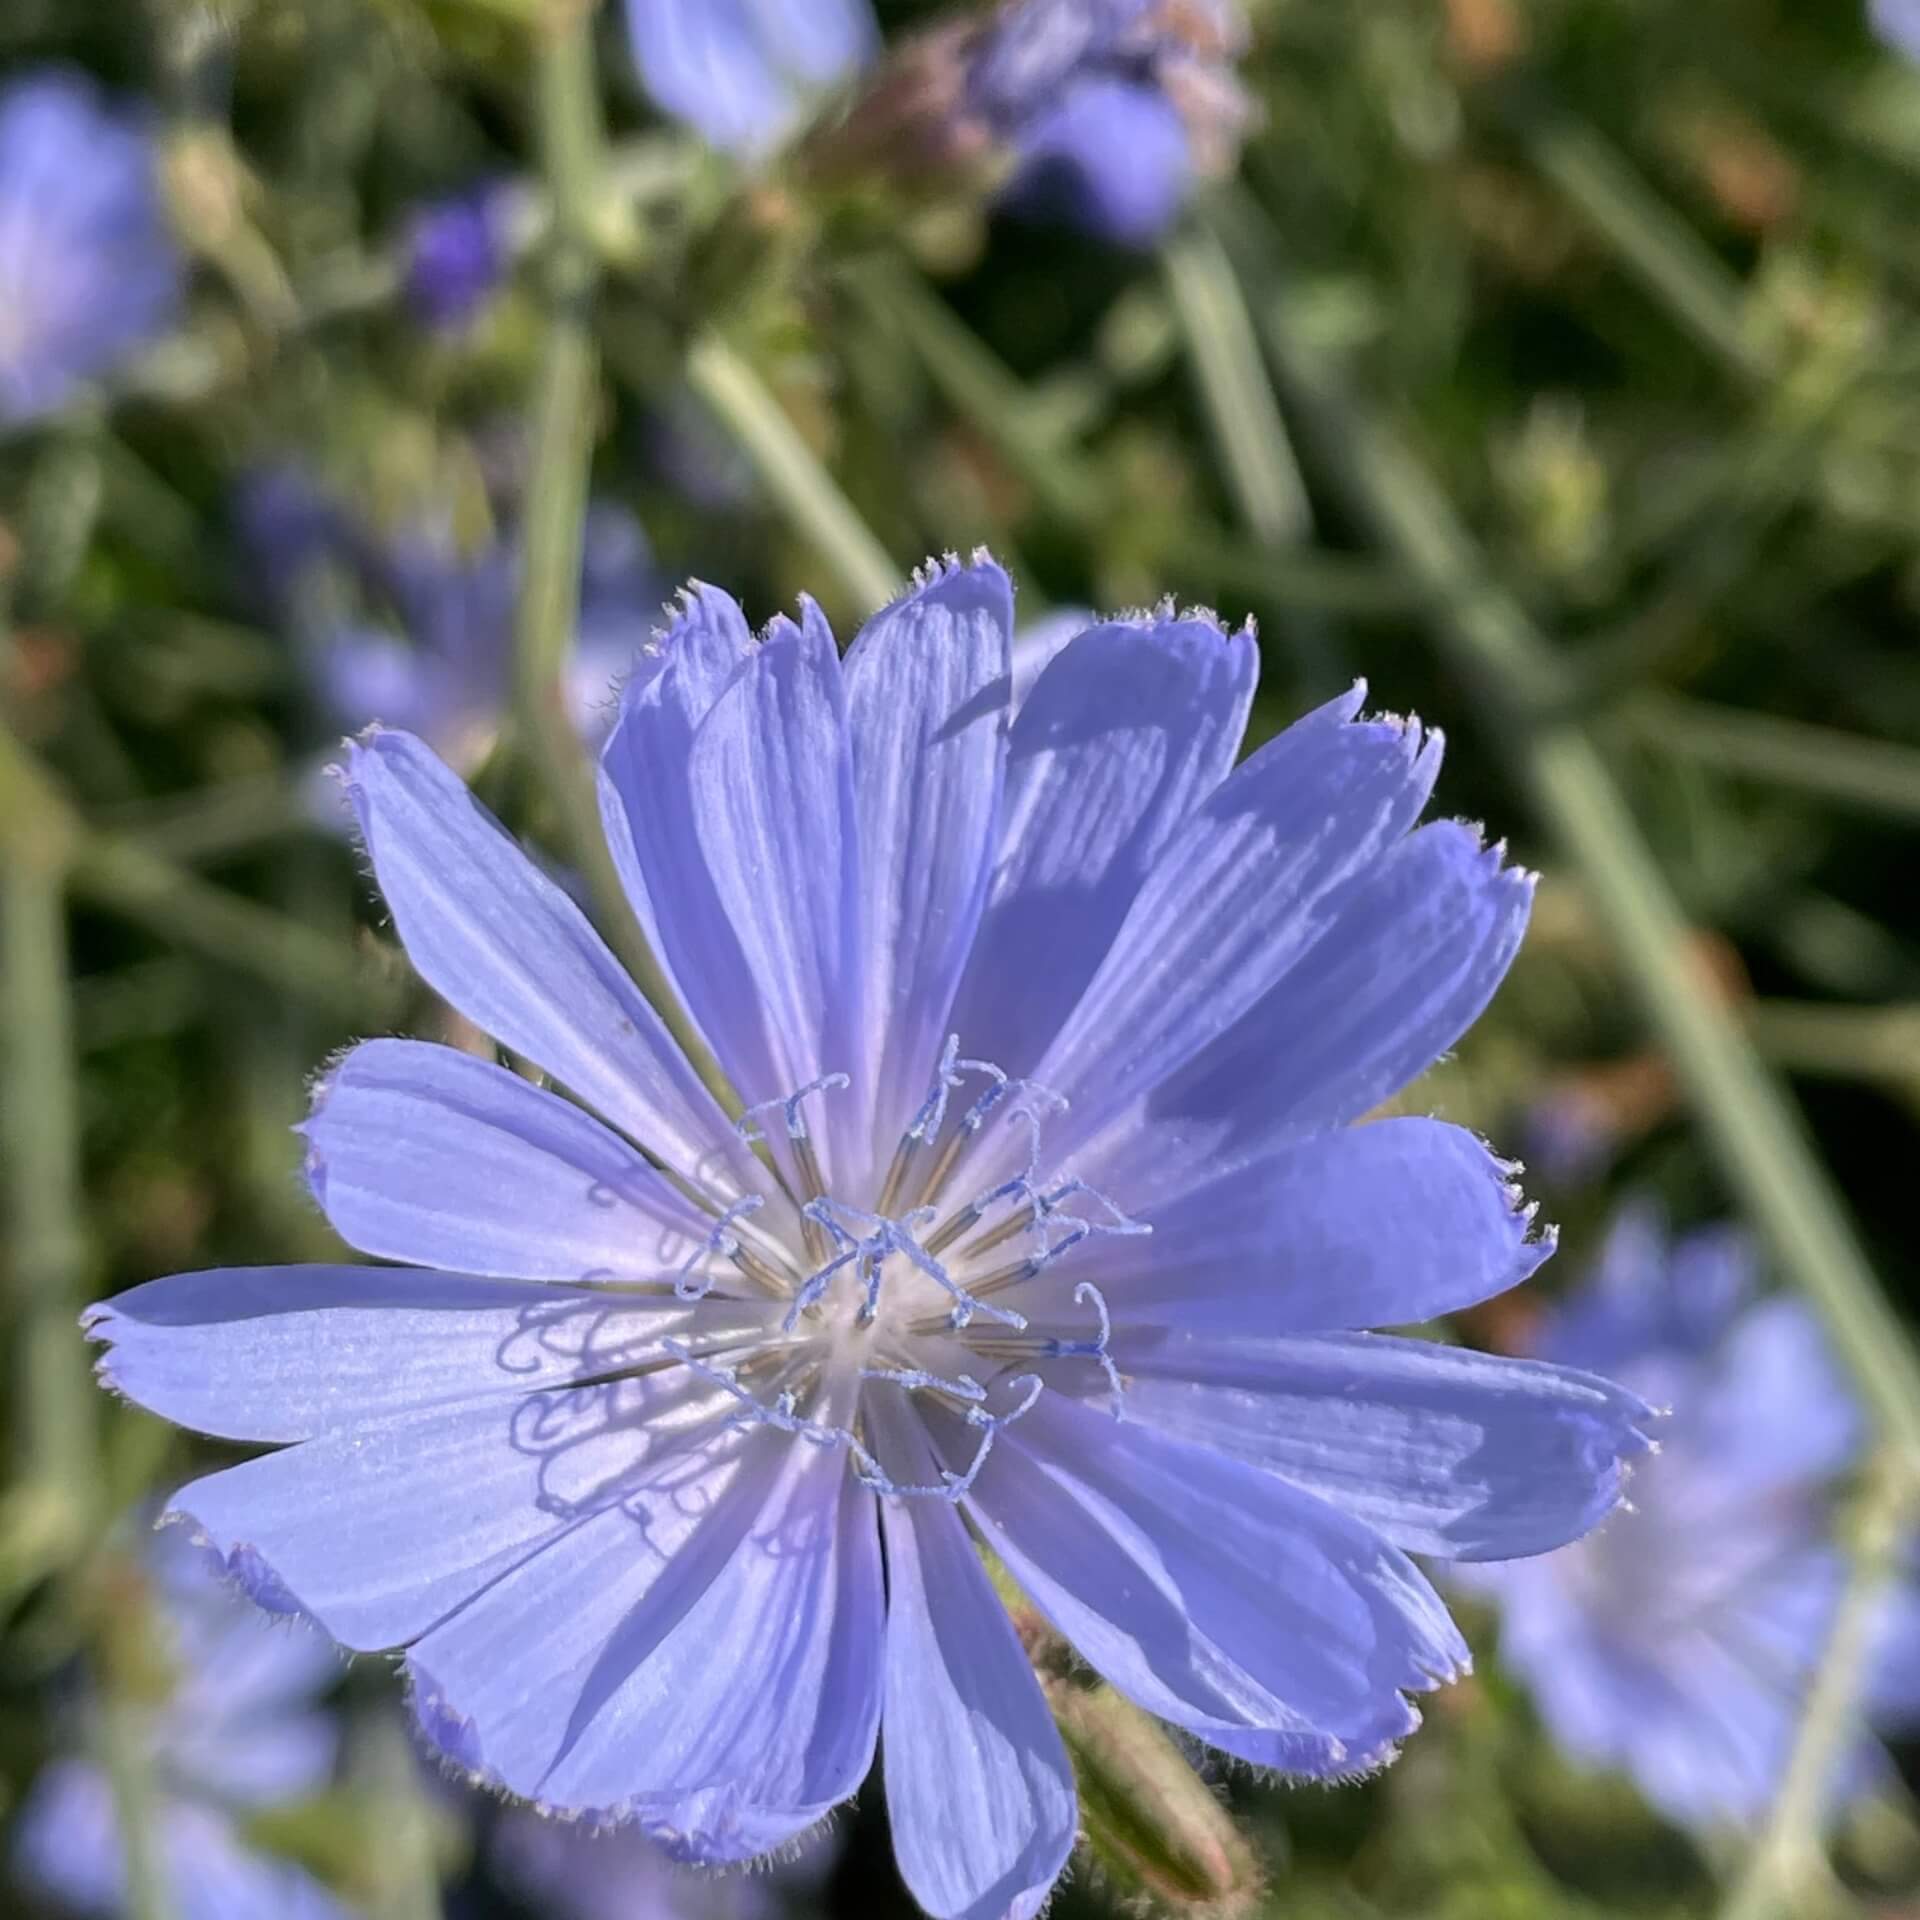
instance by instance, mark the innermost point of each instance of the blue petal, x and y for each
(1463, 1455)
(705, 1658)
(736, 69)
(501, 942)
(771, 787)
(819, 41)
(979, 1788)
(1239, 895)
(1127, 729)
(927, 688)
(1410, 954)
(1387, 1224)
(703, 62)
(1036, 643)
(1111, 156)
(1213, 1594)
(285, 1353)
(425, 1154)
(646, 805)
(380, 1530)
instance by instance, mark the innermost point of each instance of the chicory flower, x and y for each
(742, 72)
(1046, 1223)
(1677, 1642)
(89, 272)
(237, 1732)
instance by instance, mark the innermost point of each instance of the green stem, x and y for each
(218, 822)
(40, 1110)
(123, 877)
(1878, 776)
(1660, 249)
(549, 610)
(123, 1752)
(978, 386)
(1247, 426)
(52, 1513)
(801, 487)
(1242, 413)
(1788, 1865)
(1746, 1117)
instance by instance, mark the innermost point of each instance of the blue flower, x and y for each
(1111, 108)
(741, 72)
(1046, 1215)
(1677, 1643)
(1897, 22)
(237, 1733)
(454, 254)
(88, 269)
(411, 628)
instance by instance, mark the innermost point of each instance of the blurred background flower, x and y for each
(742, 73)
(89, 272)
(227, 1728)
(1677, 1642)
(412, 626)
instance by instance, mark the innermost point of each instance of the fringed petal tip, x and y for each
(449, 1736)
(943, 566)
(244, 1568)
(718, 1843)
(1167, 612)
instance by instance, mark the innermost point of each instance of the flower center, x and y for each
(924, 1289)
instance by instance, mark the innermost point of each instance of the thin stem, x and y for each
(52, 1513)
(1241, 411)
(1878, 776)
(549, 610)
(1745, 1115)
(977, 385)
(130, 1776)
(1789, 1861)
(1247, 425)
(218, 822)
(1660, 249)
(124, 877)
(39, 1106)
(801, 486)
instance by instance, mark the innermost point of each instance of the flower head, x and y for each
(89, 271)
(236, 1732)
(1098, 114)
(1045, 1220)
(741, 72)
(454, 254)
(1677, 1642)
(412, 627)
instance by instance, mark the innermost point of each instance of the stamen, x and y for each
(885, 1236)
(753, 1412)
(799, 1143)
(1094, 1349)
(721, 1240)
(790, 1106)
(818, 1213)
(964, 1388)
(946, 1079)
(953, 1487)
